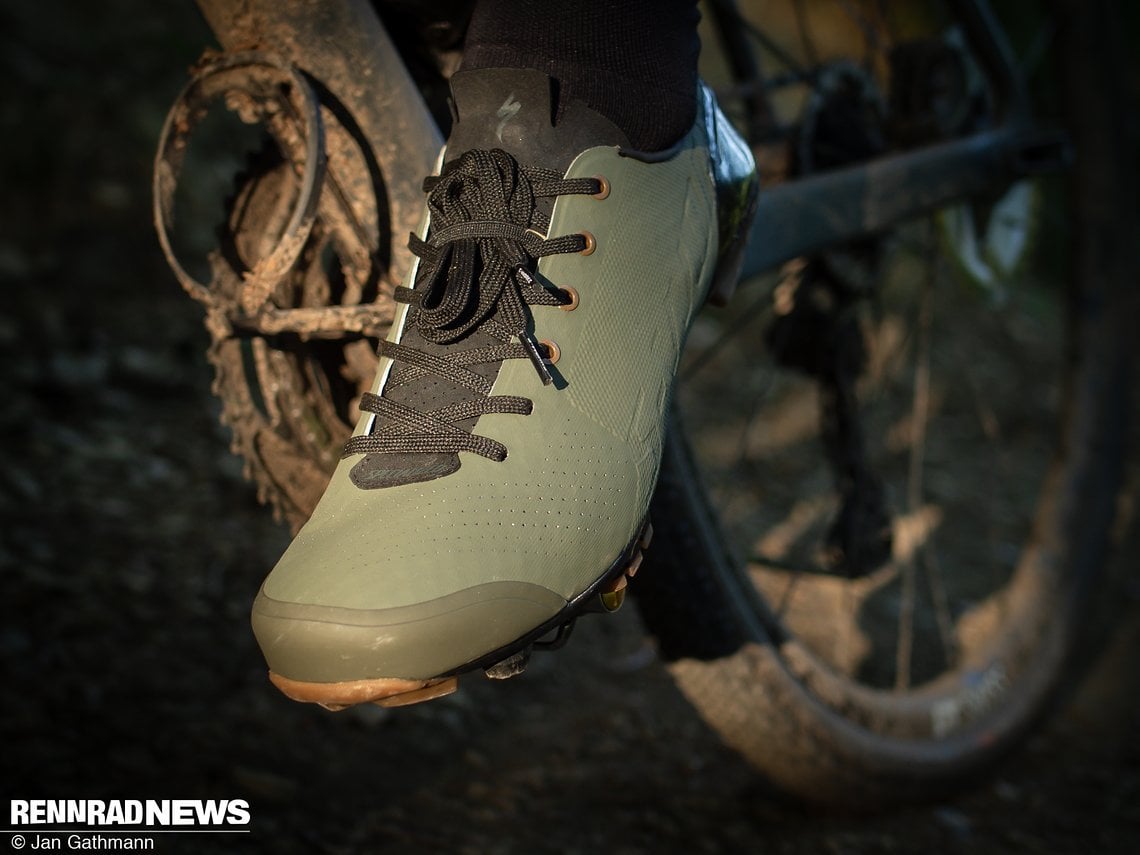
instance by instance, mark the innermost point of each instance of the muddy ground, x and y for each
(130, 549)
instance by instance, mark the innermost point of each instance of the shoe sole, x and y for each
(606, 595)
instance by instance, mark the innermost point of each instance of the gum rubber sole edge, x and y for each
(384, 691)
(397, 692)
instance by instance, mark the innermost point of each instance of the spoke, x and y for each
(793, 567)
(992, 430)
(740, 320)
(743, 458)
(782, 56)
(1000, 472)
(786, 598)
(919, 416)
(870, 33)
(933, 571)
(884, 17)
(805, 34)
(758, 398)
(987, 418)
(906, 627)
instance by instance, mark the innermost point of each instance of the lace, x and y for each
(476, 274)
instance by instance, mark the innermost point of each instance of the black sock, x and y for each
(634, 61)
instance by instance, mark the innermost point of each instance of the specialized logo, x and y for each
(508, 111)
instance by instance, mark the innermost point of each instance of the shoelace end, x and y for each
(534, 351)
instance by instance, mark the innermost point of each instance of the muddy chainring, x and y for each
(300, 290)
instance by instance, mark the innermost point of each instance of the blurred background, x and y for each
(131, 547)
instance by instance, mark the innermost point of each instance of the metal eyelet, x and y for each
(603, 187)
(572, 293)
(553, 351)
(591, 244)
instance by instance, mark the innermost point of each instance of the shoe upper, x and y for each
(418, 560)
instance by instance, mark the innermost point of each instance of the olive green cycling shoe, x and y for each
(498, 481)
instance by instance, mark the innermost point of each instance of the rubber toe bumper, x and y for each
(327, 644)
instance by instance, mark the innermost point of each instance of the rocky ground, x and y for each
(131, 547)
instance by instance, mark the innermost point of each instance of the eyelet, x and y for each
(603, 187)
(552, 350)
(572, 293)
(591, 244)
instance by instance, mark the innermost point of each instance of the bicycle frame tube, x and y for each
(343, 45)
(813, 213)
(818, 211)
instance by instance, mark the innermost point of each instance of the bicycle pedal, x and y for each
(561, 636)
(634, 564)
(512, 666)
(646, 536)
(613, 594)
(427, 693)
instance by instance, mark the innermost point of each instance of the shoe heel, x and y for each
(737, 189)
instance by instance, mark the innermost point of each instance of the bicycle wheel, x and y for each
(872, 582)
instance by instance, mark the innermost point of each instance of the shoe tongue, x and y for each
(518, 111)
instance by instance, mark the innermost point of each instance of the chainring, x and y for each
(288, 401)
(301, 281)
